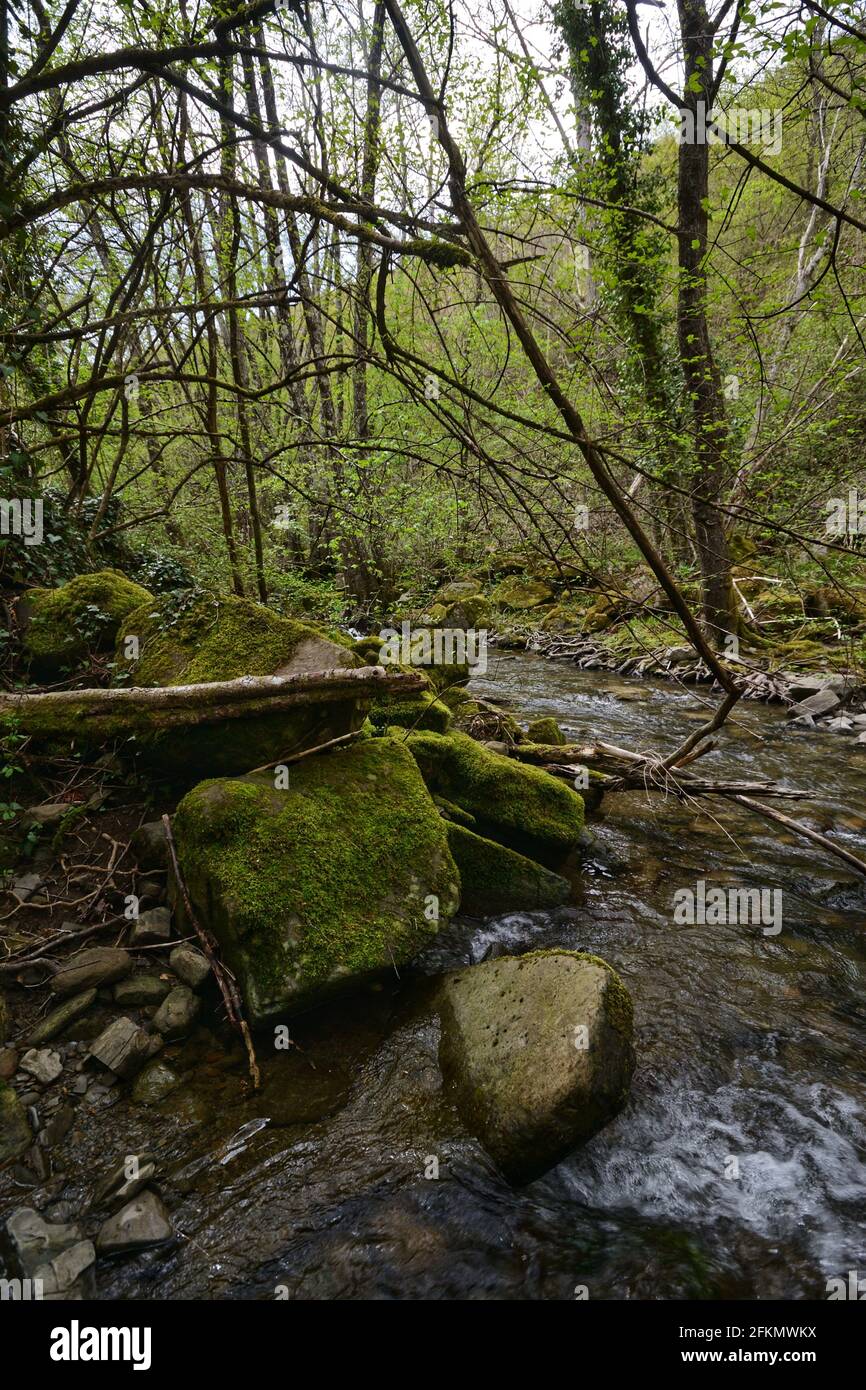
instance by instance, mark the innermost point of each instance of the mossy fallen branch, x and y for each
(122, 712)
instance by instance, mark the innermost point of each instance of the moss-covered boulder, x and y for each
(521, 806)
(474, 612)
(537, 1052)
(323, 886)
(458, 589)
(494, 878)
(62, 625)
(422, 711)
(220, 639)
(520, 593)
(546, 731)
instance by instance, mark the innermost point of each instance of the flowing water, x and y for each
(737, 1168)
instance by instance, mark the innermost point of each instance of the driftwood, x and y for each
(111, 713)
(628, 771)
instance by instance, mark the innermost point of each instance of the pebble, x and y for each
(42, 1064)
(190, 965)
(151, 928)
(177, 1014)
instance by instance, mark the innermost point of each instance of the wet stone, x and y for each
(176, 1016)
(143, 1222)
(91, 969)
(190, 965)
(151, 928)
(61, 1017)
(139, 991)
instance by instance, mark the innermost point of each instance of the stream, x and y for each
(736, 1169)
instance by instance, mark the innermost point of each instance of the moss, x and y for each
(322, 885)
(521, 806)
(521, 593)
(458, 700)
(497, 879)
(545, 731)
(474, 612)
(55, 631)
(219, 638)
(452, 812)
(423, 711)
(457, 589)
(224, 638)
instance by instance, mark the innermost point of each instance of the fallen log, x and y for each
(120, 712)
(627, 771)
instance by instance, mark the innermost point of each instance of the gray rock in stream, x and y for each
(803, 687)
(537, 1051)
(822, 702)
(143, 1222)
(56, 1254)
(125, 1180)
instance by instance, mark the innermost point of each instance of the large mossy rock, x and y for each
(521, 594)
(420, 711)
(538, 1053)
(545, 731)
(494, 878)
(325, 885)
(458, 589)
(523, 807)
(423, 711)
(221, 639)
(62, 625)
